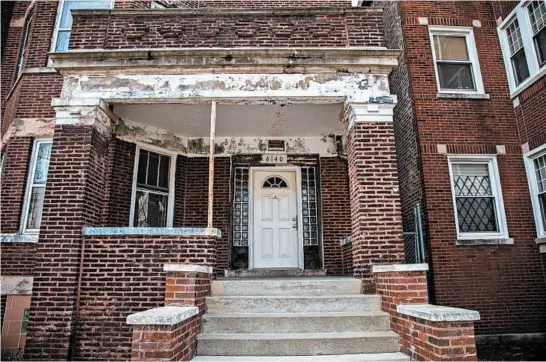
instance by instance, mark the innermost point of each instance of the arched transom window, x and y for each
(275, 182)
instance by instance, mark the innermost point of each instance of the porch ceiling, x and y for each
(279, 120)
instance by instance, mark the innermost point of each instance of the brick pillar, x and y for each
(74, 198)
(187, 285)
(376, 219)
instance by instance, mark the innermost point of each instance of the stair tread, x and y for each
(393, 356)
(287, 279)
(298, 314)
(348, 296)
(296, 336)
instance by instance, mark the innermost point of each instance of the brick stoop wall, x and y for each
(405, 287)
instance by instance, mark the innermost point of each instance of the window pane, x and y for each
(450, 48)
(153, 169)
(513, 35)
(472, 180)
(142, 166)
(540, 45)
(476, 214)
(542, 203)
(455, 76)
(63, 39)
(42, 164)
(164, 172)
(537, 14)
(35, 208)
(150, 209)
(519, 64)
(540, 170)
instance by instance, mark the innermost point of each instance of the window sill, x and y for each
(527, 83)
(541, 242)
(18, 238)
(472, 242)
(463, 95)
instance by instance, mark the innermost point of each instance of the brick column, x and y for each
(187, 285)
(376, 219)
(74, 199)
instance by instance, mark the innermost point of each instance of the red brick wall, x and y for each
(375, 205)
(36, 92)
(531, 122)
(43, 22)
(17, 155)
(194, 4)
(126, 31)
(74, 198)
(17, 258)
(121, 184)
(490, 279)
(336, 211)
(129, 280)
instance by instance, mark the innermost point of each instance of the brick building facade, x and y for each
(327, 118)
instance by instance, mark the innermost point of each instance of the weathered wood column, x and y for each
(376, 218)
(74, 198)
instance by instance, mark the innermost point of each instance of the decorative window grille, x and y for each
(152, 190)
(540, 172)
(537, 16)
(240, 206)
(37, 186)
(64, 19)
(275, 182)
(309, 206)
(517, 52)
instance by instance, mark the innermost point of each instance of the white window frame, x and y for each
(528, 158)
(58, 22)
(491, 162)
(25, 45)
(172, 170)
(472, 55)
(535, 71)
(30, 184)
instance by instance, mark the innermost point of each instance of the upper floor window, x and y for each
(536, 173)
(455, 60)
(34, 201)
(24, 48)
(523, 42)
(477, 198)
(152, 190)
(63, 26)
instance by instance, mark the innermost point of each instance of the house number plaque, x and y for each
(274, 158)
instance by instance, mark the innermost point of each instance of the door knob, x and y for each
(295, 220)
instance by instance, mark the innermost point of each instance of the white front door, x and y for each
(275, 208)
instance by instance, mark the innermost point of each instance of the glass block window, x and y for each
(539, 164)
(64, 19)
(275, 182)
(240, 206)
(151, 201)
(37, 186)
(477, 199)
(517, 52)
(537, 16)
(309, 206)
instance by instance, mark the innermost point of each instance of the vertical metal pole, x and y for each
(211, 163)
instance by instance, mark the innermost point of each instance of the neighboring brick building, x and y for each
(107, 174)
(463, 137)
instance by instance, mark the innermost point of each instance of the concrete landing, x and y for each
(273, 273)
(398, 356)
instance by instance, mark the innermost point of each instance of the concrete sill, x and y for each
(98, 231)
(18, 238)
(346, 241)
(163, 316)
(437, 313)
(463, 96)
(473, 242)
(399, 268)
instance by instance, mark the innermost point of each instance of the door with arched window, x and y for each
(275, 219)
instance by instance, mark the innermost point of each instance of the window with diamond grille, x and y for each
(309, 206)
(540, 172)
(474, 198)
(240, 206)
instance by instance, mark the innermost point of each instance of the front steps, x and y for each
(302, 317)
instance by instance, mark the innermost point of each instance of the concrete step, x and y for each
(274, 273)
(286, 286)
(295, 322)
(296, 344)
(398, 356)
(356, 303)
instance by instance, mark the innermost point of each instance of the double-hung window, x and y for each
(63, 26)
(152, 190)
(536, 172)
(455, 60)
(477, 198)
(523, 41)
(34, 201)
(24, 48)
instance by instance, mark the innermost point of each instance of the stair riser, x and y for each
(296, 347)
(295, 305)
(258, 288)
(213, 324)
